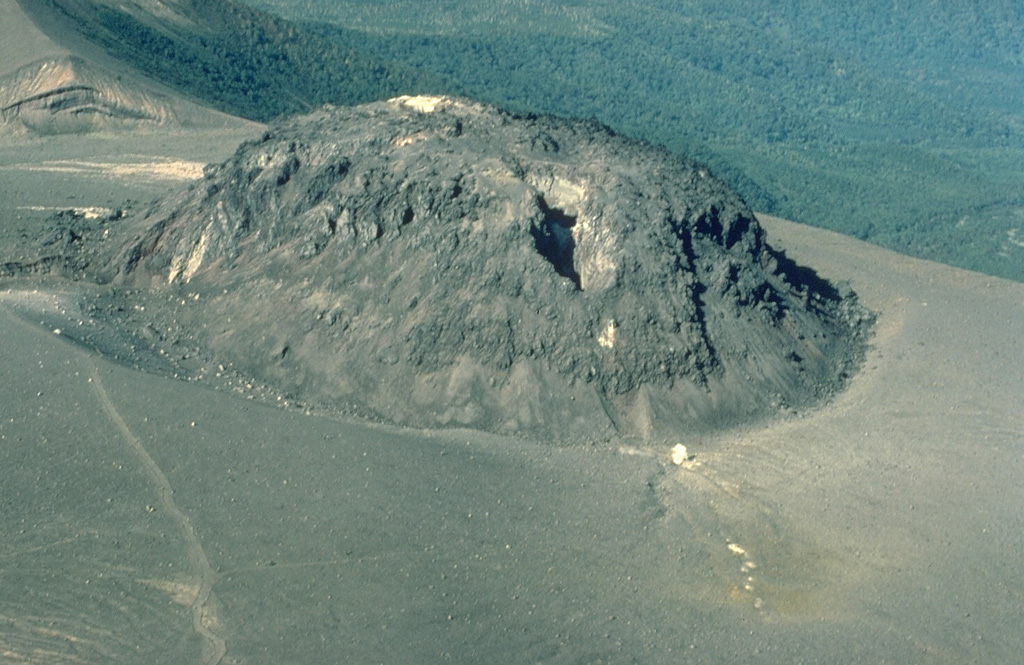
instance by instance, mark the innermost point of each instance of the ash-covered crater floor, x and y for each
(435, 262)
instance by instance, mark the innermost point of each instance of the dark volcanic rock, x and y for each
(438, 262)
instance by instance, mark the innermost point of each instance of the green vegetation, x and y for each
(239, 60)
(899, 123)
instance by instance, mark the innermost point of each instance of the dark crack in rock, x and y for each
(436, 262)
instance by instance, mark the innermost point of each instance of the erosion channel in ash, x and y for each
(435, 262)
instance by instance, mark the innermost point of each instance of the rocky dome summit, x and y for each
(436, 262)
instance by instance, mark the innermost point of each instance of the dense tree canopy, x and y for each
(900, 123)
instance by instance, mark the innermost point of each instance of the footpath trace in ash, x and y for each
(435, 262)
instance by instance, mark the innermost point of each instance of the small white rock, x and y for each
(679, 454)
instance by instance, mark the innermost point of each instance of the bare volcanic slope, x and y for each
(437, 262)
(65, 94)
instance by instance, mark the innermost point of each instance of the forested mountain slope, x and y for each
(234, 58)
(899, 123)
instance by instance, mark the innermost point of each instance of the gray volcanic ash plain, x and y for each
(435, 262)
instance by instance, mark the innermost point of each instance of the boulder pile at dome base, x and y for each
(435, 262)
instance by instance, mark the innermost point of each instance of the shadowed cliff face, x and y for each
(437, 262)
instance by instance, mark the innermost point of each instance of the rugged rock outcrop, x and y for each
(438, 262)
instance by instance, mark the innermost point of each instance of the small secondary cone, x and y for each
(436, 262)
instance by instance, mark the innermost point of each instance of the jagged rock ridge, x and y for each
(438, 262)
